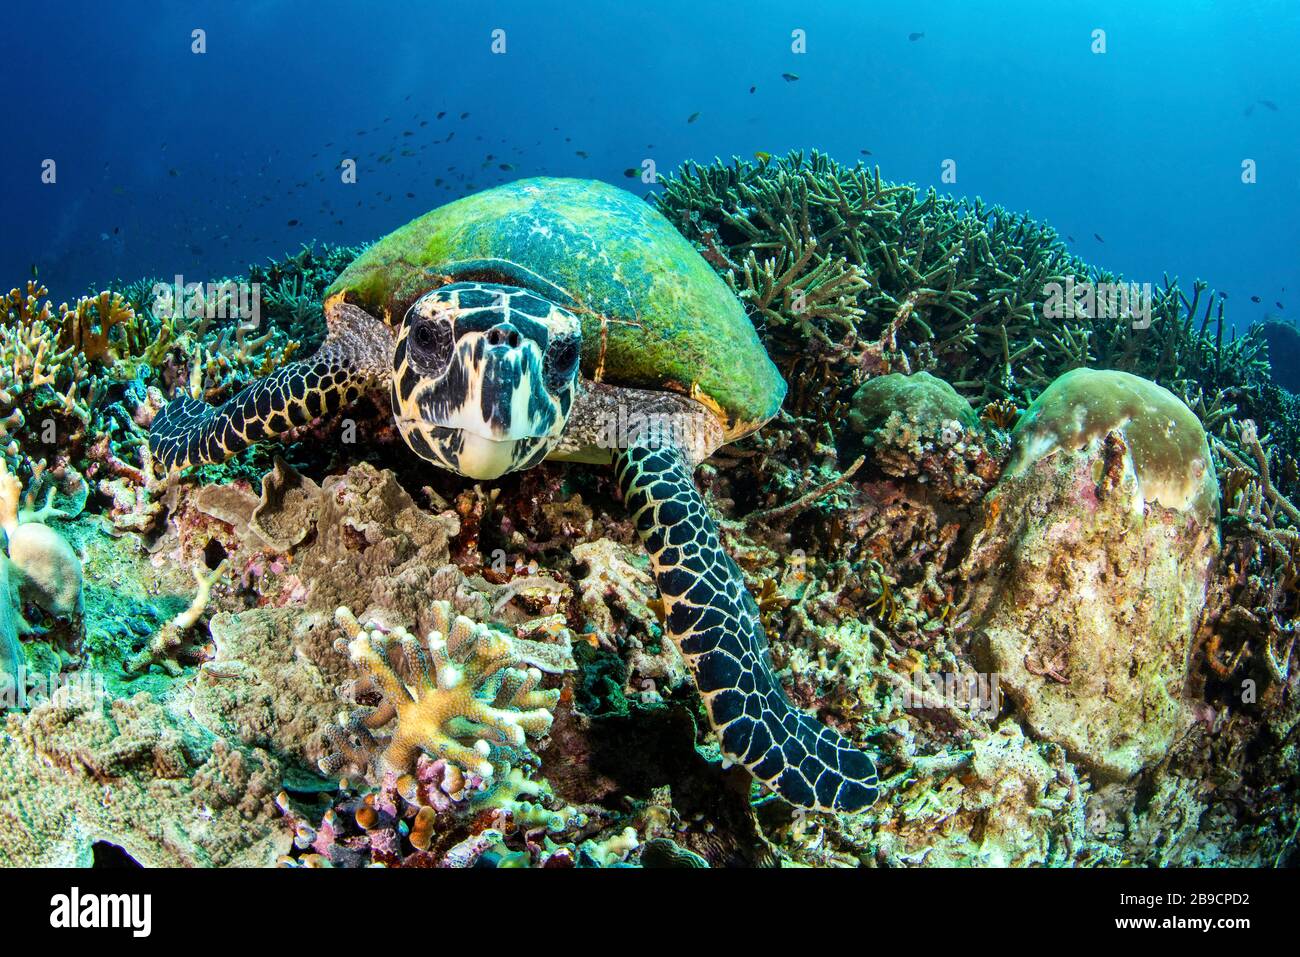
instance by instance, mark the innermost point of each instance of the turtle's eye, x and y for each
(431, 344)
(561, 361)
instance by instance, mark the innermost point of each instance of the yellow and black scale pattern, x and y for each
(716, 624)
(352, 358)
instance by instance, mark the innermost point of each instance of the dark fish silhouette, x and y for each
(630, 172)
(1254, 299)
(865, 152)
(915, 36)
(692, 118)
(789, 77)
(1279, 305)
(292, 222)
(1098, 238)
(1270, 104)
(752, 89)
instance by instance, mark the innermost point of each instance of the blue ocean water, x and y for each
(174, 161)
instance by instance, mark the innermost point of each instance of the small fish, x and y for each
(582, 153)
(172, 172)
(789, 77)
(865, 152)
(1270, 104)
(410, 196)
(464, 116)
(441, 115)
(1098, 238)
(1279, 305)
(35, 271)
(292, 222)
(631, 172)
(692, 118)
(916, 36)
(1070, 238)
(507, 167)
(762, 156)
(752, 89)
(1254, 299)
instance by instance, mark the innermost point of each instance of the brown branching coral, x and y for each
(468, 695)
(169, 643)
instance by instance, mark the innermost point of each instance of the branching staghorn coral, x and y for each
(468, 695)
(854, 277)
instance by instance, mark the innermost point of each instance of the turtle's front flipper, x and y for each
(716, 623)
(354, 356)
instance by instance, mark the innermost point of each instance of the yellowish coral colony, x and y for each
(1042, 571)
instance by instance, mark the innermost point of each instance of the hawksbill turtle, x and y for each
(567, 319)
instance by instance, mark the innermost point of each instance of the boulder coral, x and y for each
(38, 566)
(918, 426)
(1090, 564)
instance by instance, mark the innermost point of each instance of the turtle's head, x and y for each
(484, 377)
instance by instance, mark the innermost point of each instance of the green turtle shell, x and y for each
(654, 314)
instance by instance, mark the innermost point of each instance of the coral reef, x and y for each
(75, 772)
(1058, 600)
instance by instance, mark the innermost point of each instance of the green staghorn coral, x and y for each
(852, 277)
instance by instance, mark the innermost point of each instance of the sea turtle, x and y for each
(567, 319)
